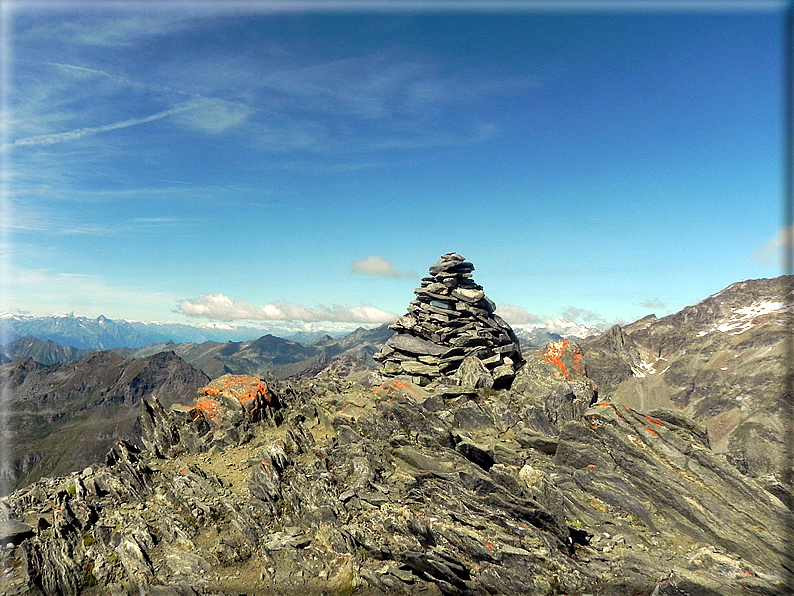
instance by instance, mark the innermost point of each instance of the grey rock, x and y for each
(14, 532)
(415, 345)
(473, 373)
(451, 311)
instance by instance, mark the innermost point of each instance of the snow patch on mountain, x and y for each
(647, 368)
(744, 318)
(563, 328)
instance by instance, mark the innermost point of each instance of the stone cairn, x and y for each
(450, 332)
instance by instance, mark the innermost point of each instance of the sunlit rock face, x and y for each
(450, 322)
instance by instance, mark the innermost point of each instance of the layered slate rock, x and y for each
(392, 490)
(452, 321)
(221, 415)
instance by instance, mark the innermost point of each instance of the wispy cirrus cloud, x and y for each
(79, 133)
(221, 307)
(105, 29)
(213, 115)
(380, 267)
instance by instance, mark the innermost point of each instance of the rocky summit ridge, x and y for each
(327, 486)
(460, 479)
(451, 321)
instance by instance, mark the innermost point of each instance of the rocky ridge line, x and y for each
(326, 486)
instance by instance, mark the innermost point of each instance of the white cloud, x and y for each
(580, 314)
(516, 315)
(213, 115)
(772, 251)
(653, 303)
(380, 267)
(218, 306)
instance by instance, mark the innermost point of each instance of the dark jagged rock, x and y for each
(222, 415)
(323, 485)
(450, 326)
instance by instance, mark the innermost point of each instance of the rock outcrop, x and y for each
(452, 322)
(324, 486)
(221, 416)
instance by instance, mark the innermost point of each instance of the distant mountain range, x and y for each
(76, 335)
(270, 354)
(104, 334)
(555, 329)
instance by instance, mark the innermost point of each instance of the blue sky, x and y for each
(171, 163)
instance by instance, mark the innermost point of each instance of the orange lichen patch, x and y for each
(554, 353)
(654, 420)
(208, 406)
(566, 357)
(578, 366)
(650, 430)
(394, 386)
(242, 387)
(604, 403)
(247, 389)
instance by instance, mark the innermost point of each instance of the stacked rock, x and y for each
(451, 320)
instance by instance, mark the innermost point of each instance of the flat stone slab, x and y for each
(14, 532)
(416, 345)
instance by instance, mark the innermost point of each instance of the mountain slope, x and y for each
(62, 417)
(43, 351)
(721, 361)
(269, 354)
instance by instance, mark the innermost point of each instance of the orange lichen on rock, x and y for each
(567, 357)
(208, 406)
(398, 386)
(650, 430)
(578, 366)
(654, 420)
(554, 353)
(243, 388)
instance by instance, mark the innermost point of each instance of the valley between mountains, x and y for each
(652, 458)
